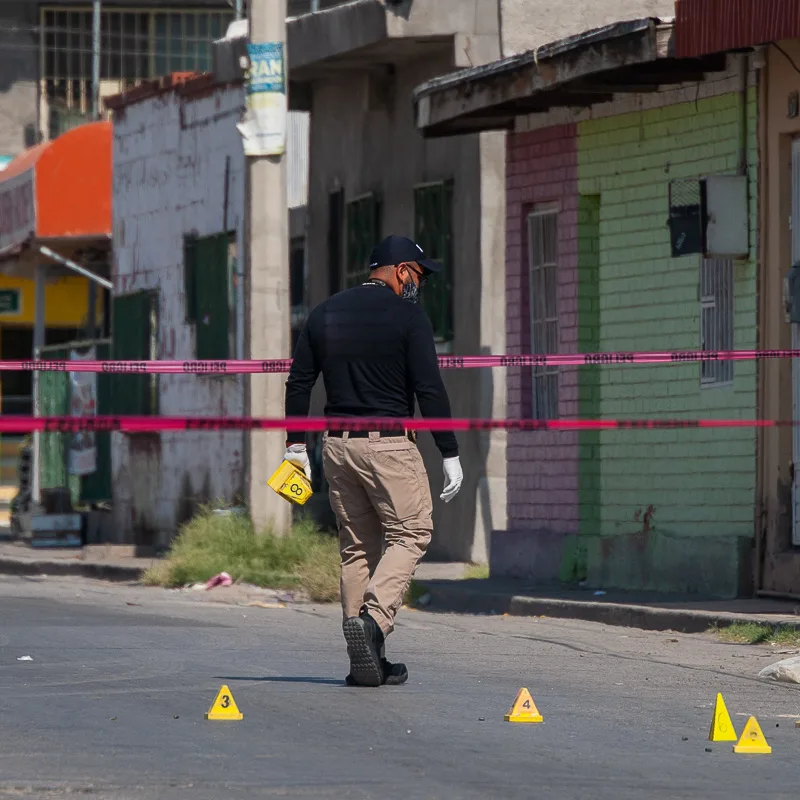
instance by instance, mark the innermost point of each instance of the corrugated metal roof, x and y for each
(715, 26)
(297, 127)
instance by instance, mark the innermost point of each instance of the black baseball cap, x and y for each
(398, 250)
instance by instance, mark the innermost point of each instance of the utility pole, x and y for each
(267, 296)
(91, 322)
(96, 59)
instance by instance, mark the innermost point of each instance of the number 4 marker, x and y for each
(524, 709)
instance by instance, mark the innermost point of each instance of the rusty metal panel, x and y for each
(297, 158)
(713, 26)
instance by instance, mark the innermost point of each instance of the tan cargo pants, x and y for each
(380, 494)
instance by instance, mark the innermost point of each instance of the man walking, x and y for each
(374, 346)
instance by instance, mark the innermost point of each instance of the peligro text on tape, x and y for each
(391, 425)
(271, 366)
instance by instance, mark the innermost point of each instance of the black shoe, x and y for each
(364, 642)
(393, 674)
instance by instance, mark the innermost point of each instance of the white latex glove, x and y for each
(296, 454)
(453, 476)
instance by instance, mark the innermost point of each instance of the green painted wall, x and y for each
(661, 510)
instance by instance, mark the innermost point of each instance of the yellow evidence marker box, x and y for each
(291, 484)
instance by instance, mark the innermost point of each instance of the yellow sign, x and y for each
(66, 301)
(752, 740)
(524, 709)
(722, 729)
(291, 483)
(224, 707)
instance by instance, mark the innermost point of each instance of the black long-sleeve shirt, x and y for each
(376, 353)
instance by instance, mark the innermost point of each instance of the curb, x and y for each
(465, 600)
(104, 572)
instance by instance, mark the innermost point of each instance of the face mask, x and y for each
(410, 292)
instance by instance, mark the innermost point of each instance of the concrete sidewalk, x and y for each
(448, 592)
(104, 562)
(629, 609)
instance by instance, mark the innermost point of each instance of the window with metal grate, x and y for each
(543, 276)
(716, 319)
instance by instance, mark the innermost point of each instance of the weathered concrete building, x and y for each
(46, 57)
(632, 224)
(178, 273)
(769, 30)
(45, 91)
(354, 67)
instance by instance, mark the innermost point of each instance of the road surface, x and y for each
(112, 705)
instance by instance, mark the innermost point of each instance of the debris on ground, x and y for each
(786, 671)
(220, 579)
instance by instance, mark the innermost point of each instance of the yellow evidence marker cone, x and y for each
(752, 740)
(224, 707)
(524, 709)
(722, 729)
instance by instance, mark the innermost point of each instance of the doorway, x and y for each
(16, 344)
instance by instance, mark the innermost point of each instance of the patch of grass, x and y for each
(211, 543)
(758, 633)
(413, 593)
(477, 572)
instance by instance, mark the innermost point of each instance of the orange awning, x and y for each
(59, 189)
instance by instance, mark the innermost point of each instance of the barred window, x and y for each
(716, 318)
(543, 267)
(135, 45)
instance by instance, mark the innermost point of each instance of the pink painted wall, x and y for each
(542, 167)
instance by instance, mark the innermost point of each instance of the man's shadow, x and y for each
(284, 679)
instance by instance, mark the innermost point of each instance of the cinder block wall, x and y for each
(542, 168)
(672, 503)
(170, 159)
(655, 510)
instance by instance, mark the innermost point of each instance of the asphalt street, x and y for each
(112, 705)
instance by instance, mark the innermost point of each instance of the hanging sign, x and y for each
(263, 128)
